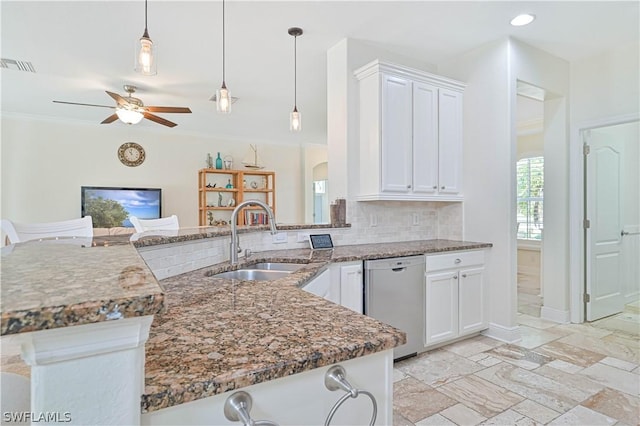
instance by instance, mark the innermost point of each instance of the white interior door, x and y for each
(604, 284)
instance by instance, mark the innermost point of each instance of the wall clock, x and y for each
(131, 154)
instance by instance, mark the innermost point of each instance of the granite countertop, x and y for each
(71, 281)
(218, 335)
(209, 335)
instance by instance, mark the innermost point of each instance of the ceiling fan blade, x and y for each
(119, 99)
(159, 120)
(167, 109)
(76, 103)
(110, 119)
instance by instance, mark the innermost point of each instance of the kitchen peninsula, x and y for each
(210, 336)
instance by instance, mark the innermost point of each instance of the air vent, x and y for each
(13, 64)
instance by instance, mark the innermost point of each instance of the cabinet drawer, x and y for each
(458, 259)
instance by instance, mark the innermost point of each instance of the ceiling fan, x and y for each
(131, 110)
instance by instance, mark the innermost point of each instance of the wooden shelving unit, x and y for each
(216, 198)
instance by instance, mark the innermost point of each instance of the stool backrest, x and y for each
(165, 223)
(21, 232)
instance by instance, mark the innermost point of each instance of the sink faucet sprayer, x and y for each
(235, 240)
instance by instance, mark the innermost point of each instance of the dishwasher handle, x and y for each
(400, 269)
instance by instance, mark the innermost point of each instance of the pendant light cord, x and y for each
(295, 73)
(145, 16)
(223, 48)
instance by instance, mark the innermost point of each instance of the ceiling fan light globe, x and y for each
(145, 57)
(223, 100)
(129, 116)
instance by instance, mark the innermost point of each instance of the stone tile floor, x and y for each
(570, 374)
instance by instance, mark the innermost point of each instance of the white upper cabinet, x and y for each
(410, 134)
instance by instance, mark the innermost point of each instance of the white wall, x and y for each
(530, 145)
(491, 74)
(551, 73)
(606, 85)
(605, 89)
(44, 164)
(488, 161)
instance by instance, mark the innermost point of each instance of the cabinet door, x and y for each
(425, 138)
(351, 287)
(450, 141)
(473, 294)
(441, 307)
(396, 155)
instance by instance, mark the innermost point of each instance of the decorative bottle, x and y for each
(218, 162)
(229, 185)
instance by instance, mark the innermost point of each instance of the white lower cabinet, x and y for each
(456, 296)
(347, 282)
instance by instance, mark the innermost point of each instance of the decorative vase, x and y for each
(218, 162)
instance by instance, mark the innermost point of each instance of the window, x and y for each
(530, 175)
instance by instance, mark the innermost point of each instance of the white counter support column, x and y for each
(88, 374)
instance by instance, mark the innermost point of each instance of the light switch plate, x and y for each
(302, 237)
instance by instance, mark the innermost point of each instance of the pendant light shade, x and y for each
(223, 96)
(146, 63)
(295, 118)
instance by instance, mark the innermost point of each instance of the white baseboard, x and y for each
(504, 334)
(555, 315)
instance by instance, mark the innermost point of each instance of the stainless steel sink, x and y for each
(265, 271)
(277, 266)
(253, 274)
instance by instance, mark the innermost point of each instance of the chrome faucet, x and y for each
(235, 240)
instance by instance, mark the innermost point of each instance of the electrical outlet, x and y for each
(415, 220)
(279, 238)
(302, 237)
(373, 220)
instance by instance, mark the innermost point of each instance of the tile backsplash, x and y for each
(371, 222)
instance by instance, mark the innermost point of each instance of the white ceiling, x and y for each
(82, 48)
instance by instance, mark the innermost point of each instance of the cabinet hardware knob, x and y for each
(458, 261)
(455, 277)
(442, 187)
(408, 186)
(435, 186)
(464, 275)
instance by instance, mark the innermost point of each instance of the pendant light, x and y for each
(145, 61)
(295, 118)
(223, 97)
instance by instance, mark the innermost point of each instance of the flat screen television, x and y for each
(110, 207)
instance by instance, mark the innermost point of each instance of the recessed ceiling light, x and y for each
(523, 19)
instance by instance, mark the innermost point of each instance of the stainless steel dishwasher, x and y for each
(394, 294)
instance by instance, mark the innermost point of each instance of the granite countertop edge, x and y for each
(151, 238)
(90, 312)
